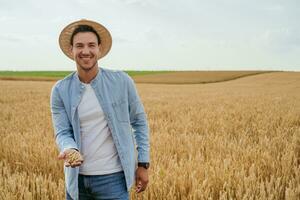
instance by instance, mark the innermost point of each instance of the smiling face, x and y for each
(85, 50)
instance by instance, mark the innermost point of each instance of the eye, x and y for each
(78, 45)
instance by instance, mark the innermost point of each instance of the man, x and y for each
(98, 117)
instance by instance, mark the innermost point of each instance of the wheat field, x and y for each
(194, 77)
(238, 139)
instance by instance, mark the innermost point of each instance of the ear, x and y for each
(71, 50)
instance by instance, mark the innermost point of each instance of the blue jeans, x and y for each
(110, 186)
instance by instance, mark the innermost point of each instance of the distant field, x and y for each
(159, 77)
(194, 77)
(55, 75)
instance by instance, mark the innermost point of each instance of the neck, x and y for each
(86, 76)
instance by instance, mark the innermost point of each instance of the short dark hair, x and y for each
(84, 28)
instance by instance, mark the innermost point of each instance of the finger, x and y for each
(138, 186)
(145, 183)
(61, 156)
(138, 189)
(141, 189)
(138, 183)
(77, 164)
(137, 179)
(67, 164)
(142, 186)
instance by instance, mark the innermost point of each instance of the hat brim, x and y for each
(66, 33)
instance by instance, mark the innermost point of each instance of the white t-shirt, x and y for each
(97, 147)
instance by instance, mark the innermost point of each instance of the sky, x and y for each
(157, 34)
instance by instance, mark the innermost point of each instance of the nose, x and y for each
(85, 50)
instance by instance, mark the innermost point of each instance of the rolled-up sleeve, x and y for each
(138, 121)
(62, 127)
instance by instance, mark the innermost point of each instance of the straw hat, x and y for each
(66, 33)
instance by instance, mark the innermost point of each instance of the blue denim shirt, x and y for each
(123, 110)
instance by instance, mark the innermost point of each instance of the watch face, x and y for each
(145, 165)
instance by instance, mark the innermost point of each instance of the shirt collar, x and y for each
(93, 82)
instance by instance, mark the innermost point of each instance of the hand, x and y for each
(71, 157)
(141, 179)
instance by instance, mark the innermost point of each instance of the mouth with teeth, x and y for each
(86, 58)
(86, 61)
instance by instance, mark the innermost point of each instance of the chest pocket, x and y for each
(121, 110)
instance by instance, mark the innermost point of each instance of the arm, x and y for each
(138, 121)
(62, 127)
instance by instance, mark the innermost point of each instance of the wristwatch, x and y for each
(146, 165)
